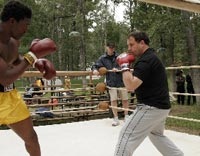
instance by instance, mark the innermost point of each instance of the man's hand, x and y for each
(95, 72)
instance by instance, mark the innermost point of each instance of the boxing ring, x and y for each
(89, 138)
(93, 137)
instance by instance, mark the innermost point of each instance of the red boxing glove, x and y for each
(46, 67)
(34, 42)
(124, 60)
(42, 47)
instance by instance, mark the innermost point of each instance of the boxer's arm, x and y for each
(9, 75)
(131, 82)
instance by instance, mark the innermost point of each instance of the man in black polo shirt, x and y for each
(149, 81)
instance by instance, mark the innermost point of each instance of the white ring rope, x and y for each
(187, 94)
(64, 110)
(184, 67)
(182, 118)
(61, 90)
(94, 107)
(170, 116)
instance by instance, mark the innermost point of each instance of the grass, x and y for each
(185, 111)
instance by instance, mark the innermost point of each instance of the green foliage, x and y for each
(117, 33)
(56, 19)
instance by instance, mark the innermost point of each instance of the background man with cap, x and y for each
(113, 79)
(180, 86)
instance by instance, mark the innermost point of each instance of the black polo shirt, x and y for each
(154, 89)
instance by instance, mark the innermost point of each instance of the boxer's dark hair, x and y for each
(16, 10)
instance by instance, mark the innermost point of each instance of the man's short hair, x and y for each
(16, 10)
(139, 36)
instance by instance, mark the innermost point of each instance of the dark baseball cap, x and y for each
(110, 44)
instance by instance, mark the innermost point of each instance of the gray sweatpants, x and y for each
(145, 121)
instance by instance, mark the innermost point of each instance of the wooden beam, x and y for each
(187, 5)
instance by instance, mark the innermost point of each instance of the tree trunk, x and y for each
(195, 73)
(60, 44)
(82, 58)
(171, 73)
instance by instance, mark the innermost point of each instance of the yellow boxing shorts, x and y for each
(12, 107)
